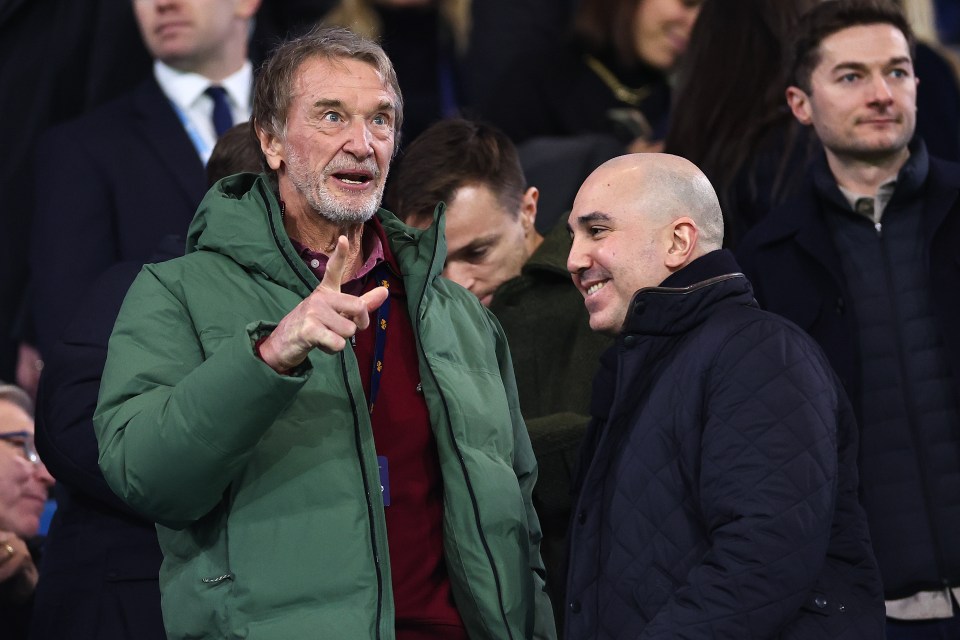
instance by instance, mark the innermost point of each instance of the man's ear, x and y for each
(528, 209)
(683, 237)
(799, 103)
(272, 148)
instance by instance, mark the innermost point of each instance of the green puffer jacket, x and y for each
(265, 486)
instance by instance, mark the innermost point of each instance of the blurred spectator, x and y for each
(24, 488)
(948, 22)
(505, 35)
(236, 151)
(99, 577)
(611, 77)
(938, 96)
(60, 59)
(131, 172)
(495, 251)
(733, 123)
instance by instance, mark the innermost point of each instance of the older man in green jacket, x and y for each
(326, 431)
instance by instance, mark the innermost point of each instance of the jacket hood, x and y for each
(240, 218)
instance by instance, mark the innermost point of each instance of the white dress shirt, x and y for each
(195, 108)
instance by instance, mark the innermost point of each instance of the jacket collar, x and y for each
(551, 255)
(910, 178)
(240, 218)
(689, 296)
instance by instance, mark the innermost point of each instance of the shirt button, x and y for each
(575, 606)
(314, 263)
(629, 341)
(582, 517)
(820, 601)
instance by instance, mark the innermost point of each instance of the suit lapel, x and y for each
(162, 133)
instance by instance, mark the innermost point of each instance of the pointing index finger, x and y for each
(336, 266)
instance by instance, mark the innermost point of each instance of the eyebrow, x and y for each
(327, 103)
(860, 66)
(475, 244)
(587, 218)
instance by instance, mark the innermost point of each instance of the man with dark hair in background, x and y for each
(865, 260)
(495, 251)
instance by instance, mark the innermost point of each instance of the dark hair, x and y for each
(236, 151)
(273, 89)
(836, 15)
(607, 25)
(451, 154)
(723, 112)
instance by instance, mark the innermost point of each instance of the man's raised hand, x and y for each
(324, 320)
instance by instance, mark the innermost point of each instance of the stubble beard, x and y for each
(313, 187)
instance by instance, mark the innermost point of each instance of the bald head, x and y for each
(637, 219)
(663, 188)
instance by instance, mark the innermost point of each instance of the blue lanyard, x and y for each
(383, 314)
(203, 149)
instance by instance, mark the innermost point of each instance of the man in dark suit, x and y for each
(865, 260)
(112, 183)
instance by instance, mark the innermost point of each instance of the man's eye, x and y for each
(849, 77)
(381, 120)
(900, 73)
(595, 231)
(478, 253)
(332, 116)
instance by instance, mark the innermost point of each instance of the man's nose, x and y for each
(881, 91)
(43, 475)
(359, 139)
(577, 259)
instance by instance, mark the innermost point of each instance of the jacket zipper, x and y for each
(463, 466)
(911, 407)
(366, 492)
(356, 439)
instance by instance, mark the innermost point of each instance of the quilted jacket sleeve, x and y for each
(175, 425)
(525, 466)
(767, 487)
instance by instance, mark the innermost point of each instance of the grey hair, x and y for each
(15, 395)
(273, 90)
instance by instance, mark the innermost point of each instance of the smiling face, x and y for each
(662, 30)
(334, 156)
(616, 250)
(24, 485)
(636, 220)
(194, 35)
(863, 94)
(486, 243)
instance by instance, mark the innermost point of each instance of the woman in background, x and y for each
(611, 76)
(731, 117)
